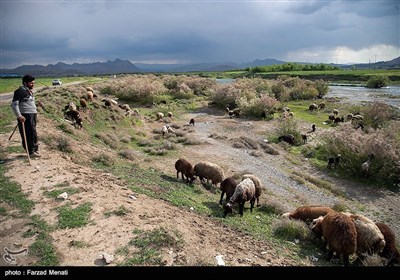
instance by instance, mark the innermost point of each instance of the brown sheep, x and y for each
(340, 233)
(83, 103)
(390, 251)
(186, 169)
(227, 187)
(209, 171)
(90, 95)
(308, 213)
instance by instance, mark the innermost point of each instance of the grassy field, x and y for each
(11, 84)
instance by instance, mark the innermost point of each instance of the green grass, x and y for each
(149, 244)
(74, 217)
(11, 84)
(57, 192)
(12, 194)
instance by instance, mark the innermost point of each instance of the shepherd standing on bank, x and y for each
(24, 107)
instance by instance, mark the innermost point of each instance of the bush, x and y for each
(355, 146)
(377, 81)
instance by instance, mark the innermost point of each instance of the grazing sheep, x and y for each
(321, 105)
(366, 165)
(287, 138)
(313, 127)
(159, 116)
(72, 106)
(166, 129)
(308, 213)
(209, 171)
(334, 161)
(257, 184)
(335, 112)
(107, 102)
(390, 251)
(186, 169)
(227, 187)
(89, 89)
(234, 113)
(74, 117)
(359, 125)
(338, 120)
(370, 239)
(191, 122)
(358, 118)
(291, 114)
(339, 232)
(245, 191)
(169, 114)
(89, 95)
(304, 138)
(83, 103)
(125, 107)
(313, 107)
(349, 117)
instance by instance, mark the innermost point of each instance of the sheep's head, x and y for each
(286, 215)
(316, 227)
(228, 209)
(192, 178)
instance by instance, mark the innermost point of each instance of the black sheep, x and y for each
(287, 138)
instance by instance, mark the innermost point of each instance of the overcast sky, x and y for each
(162, 31)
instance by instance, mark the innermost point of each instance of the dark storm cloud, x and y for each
(196, 31)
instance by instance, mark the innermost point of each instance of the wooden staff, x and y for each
(15, 128)
(26, 144)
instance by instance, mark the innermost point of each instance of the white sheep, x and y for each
(166, 129)
(365, 166)
(245, 191)
(369, 238)
(257, 184)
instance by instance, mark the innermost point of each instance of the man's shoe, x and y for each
(35, 155)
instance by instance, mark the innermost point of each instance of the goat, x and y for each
(366, 165)
(334, 161)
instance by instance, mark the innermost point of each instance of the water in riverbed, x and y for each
(357, 94)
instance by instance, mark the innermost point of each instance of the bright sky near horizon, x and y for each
(162, 31)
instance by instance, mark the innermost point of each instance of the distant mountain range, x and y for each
(119, 66)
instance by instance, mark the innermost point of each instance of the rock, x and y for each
(63, 196)
(106, 257)
(220, 261)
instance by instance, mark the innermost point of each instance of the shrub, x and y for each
(377, 81)
(355, 146)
